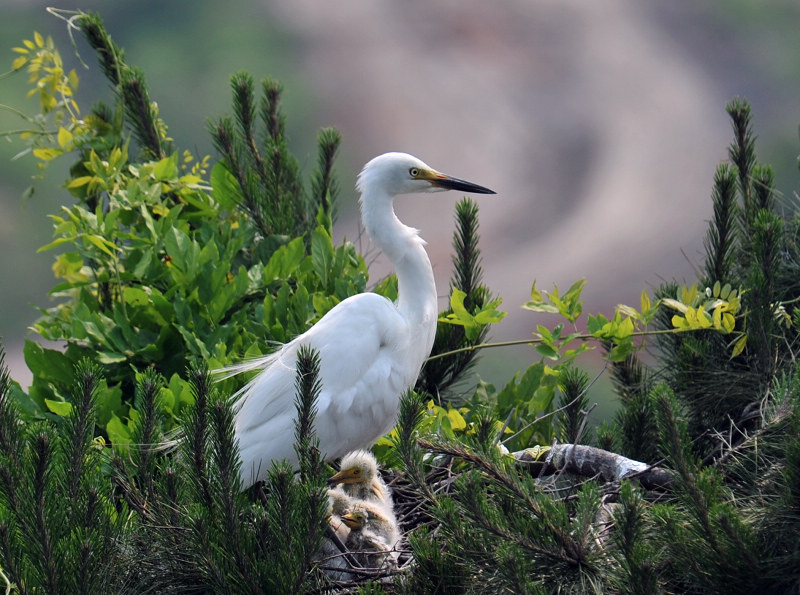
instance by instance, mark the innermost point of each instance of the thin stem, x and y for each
(583, 337)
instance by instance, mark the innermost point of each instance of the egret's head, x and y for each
(355, 519)
(358, 466)
(401, 173)
(371, 514)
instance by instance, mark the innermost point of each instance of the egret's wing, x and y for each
(361, 343)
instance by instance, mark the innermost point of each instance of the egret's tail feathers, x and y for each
(259, 363)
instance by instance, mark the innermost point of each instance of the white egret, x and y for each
(371, 349)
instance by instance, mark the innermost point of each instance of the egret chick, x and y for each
(373, 535)
(371, 350)
(359, 478)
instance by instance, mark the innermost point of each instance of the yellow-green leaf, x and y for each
(456, 420)
(703, 320)
(47, 153)
(37, 37)
(64, 137)
(688, 295)
(739, 346)
(679, 322)
(646, 303)
(19, 62)
(160, 210)
(81, 181)
(101, 243)
(728, 322)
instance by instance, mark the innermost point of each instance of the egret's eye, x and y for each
(414, 172)
(356, 471)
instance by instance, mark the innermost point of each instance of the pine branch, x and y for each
(129, 85)
(634, 554)
(573, 403)
(244, 108)
(721, 238)
(742, 153)
(196, 431)
(440, 374)
(145, 434)
(46, 561)
(79, 433)
(412, 410)
(324, 187)
(140, 112)
(110, 57)
(308, 386)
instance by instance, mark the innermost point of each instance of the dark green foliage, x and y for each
(268, 184)
(747, 246)
(439, 376)
(635, 417)
(203, 534)
(59, 526)
(635, 551)
(324, 187)
(720, 239)
(573, 403)
(129, 84)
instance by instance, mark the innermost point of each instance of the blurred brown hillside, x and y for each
(598, 125)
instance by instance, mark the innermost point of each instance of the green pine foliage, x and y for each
(439, 377)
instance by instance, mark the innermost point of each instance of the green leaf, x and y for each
(118, 432)
(103, 244)
(224, 187)
(739, 346)
(321, 254)
(55, 244)
(60, 408)
(48, 365)
(167, 168)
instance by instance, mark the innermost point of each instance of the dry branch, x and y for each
(589, 461)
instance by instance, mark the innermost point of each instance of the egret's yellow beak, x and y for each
(352, 521)
(345, 476)
(446, 182)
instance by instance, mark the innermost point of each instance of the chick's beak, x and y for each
(343, 476)
(350, 521)
(446, 182)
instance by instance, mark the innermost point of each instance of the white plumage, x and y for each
(371, 349)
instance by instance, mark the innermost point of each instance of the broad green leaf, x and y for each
(166, 168)
(224, 187)
(60, 408)
(118, 432)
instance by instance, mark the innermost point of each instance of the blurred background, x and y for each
(598, 124)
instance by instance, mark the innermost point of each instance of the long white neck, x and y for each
(404, 248)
